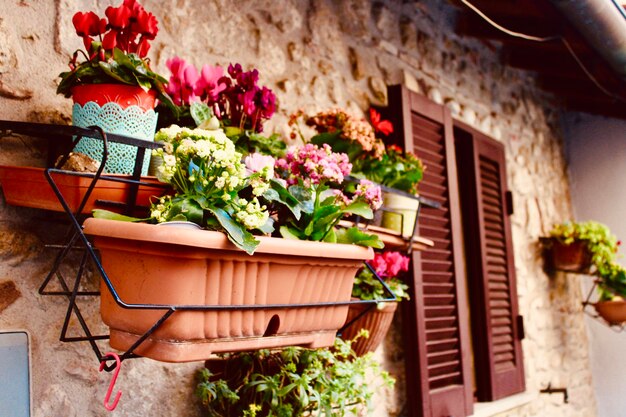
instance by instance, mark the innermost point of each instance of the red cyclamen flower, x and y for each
(87, 25)
(383, 126)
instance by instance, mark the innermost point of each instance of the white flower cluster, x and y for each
(209, 149)
(251, 213)
(160, 210)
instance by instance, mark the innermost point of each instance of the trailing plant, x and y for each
(612, 282)
(292, 382)
(597, 237)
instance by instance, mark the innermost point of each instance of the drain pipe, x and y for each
(603, 24)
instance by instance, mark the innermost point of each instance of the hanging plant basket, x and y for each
(376, 321)
(574, 257)
(169, 266)
(15, 180)
(614, 312)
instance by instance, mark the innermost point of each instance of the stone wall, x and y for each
(314, 54)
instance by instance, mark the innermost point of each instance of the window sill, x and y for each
(496, 407)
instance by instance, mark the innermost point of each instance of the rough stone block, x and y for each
(8, 294)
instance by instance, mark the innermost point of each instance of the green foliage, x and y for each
(395, 169)
(320, 213)
(612, 282)
(117, 68)
(293, 382)
(598, 238)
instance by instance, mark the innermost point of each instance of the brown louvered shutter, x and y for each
(496, 325)
(435, 319)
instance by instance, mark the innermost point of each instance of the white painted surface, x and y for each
(596, 152)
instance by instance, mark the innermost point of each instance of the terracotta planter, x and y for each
(614, 312)
(570, 258)
(171, 266)
(116, 108)
(377, 321)
(28, 187)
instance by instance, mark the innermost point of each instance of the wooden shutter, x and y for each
(435, 320)
(496, 330)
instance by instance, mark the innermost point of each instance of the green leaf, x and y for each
(187, 207)
(235, 231)
(331, 236)
(289, 233)
(360, 208)
(200, 112)
(109, 215)
(280, 194)
(354, 235)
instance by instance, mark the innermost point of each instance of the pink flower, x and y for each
(396, 263)
(256, 162)
(314, 165)
(370, 192)
(182, 82)
(390, 264)
(209, 85)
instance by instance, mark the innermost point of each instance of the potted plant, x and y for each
(231, 98)
(389, 166)
(293, 382)
(577, 246)
(388, 265)
(291, 201)
(113, 86)
(611, 284)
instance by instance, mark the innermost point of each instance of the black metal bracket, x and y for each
(588, 309)
(550, 390)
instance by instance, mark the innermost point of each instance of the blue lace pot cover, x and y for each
(131, 121)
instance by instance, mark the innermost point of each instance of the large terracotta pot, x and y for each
(574, 257)
(170, 266)
(123, 109)
(377, 321)
(614, 312)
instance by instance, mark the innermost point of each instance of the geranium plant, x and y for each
(292, 382)
(389, 266)
(115, 50)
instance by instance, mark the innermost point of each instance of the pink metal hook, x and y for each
(107, 397)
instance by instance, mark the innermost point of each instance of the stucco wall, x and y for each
(596, 153)
(314, 54)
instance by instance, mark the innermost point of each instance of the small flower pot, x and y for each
(376, 321)
(149, 264)
(400, 214)
(574, 257)
(614, 312)
(116, 108)
(15, 180)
